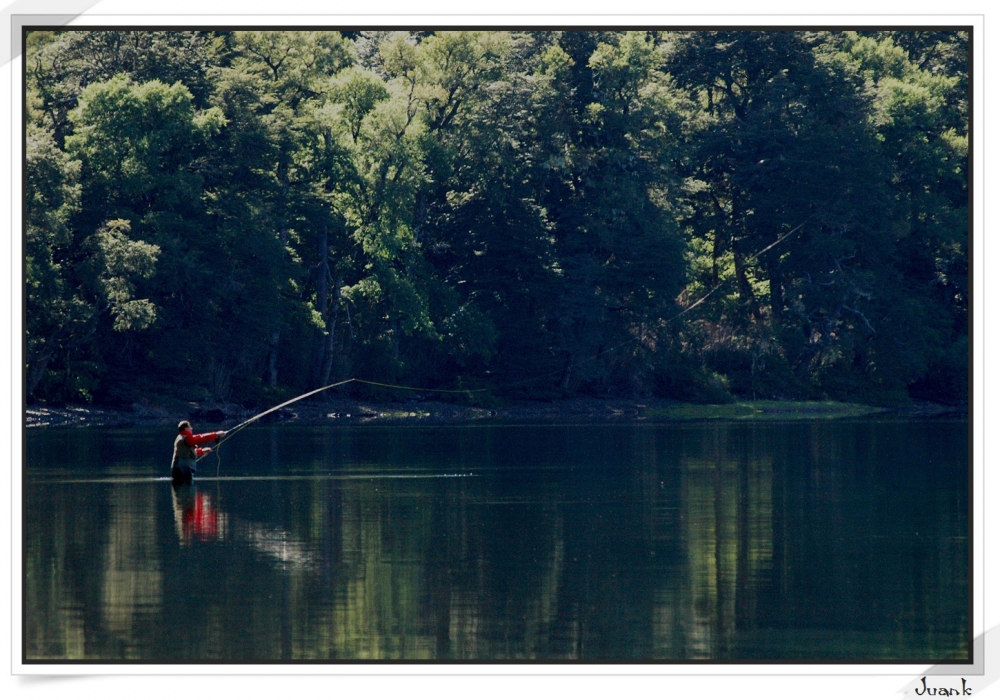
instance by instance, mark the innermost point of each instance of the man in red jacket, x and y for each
(187, 451)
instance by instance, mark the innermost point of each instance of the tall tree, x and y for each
(791, 198)
(139, 148)
(920, 82)
(237, 215)
(290, 71)
(71, 60)
(74, 283)
(52, 304)
(610, 198)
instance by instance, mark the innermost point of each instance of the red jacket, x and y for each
(192, 441)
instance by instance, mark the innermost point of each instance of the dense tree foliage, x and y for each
(237, 216)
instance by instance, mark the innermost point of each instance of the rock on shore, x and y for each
(567, 411)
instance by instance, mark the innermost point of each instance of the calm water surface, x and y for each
(776, 541)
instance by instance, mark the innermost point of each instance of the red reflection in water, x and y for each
(196, 517)
(202, 521)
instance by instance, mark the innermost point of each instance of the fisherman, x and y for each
(187, 451)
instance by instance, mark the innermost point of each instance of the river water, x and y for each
(820, 541)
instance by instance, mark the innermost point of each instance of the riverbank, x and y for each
(568, 411)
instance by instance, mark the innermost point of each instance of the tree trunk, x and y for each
(567, 374)
(742, 282)
(38, 367)
(331, 327)
(395, 338)
(272, 360)
(774, 280)
(322, 306)
(720, 239)
(717, 250)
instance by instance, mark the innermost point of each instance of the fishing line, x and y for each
(241, 426)
(672, 318)
(749, 259)
(244, 424)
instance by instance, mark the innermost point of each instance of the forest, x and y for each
(242, 216)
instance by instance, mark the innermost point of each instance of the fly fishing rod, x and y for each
(238, 428)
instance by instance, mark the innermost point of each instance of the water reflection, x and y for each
(196, 517)
(727, 526)
(709, 542)
(132, 586)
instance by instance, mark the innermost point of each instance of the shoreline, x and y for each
(564, 411)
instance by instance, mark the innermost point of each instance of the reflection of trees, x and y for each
(95, 581)
(672, 544)
(801, 542)
(727, 529)
(54, 607)
(890, 533)
(376, 612)
(133, 580)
